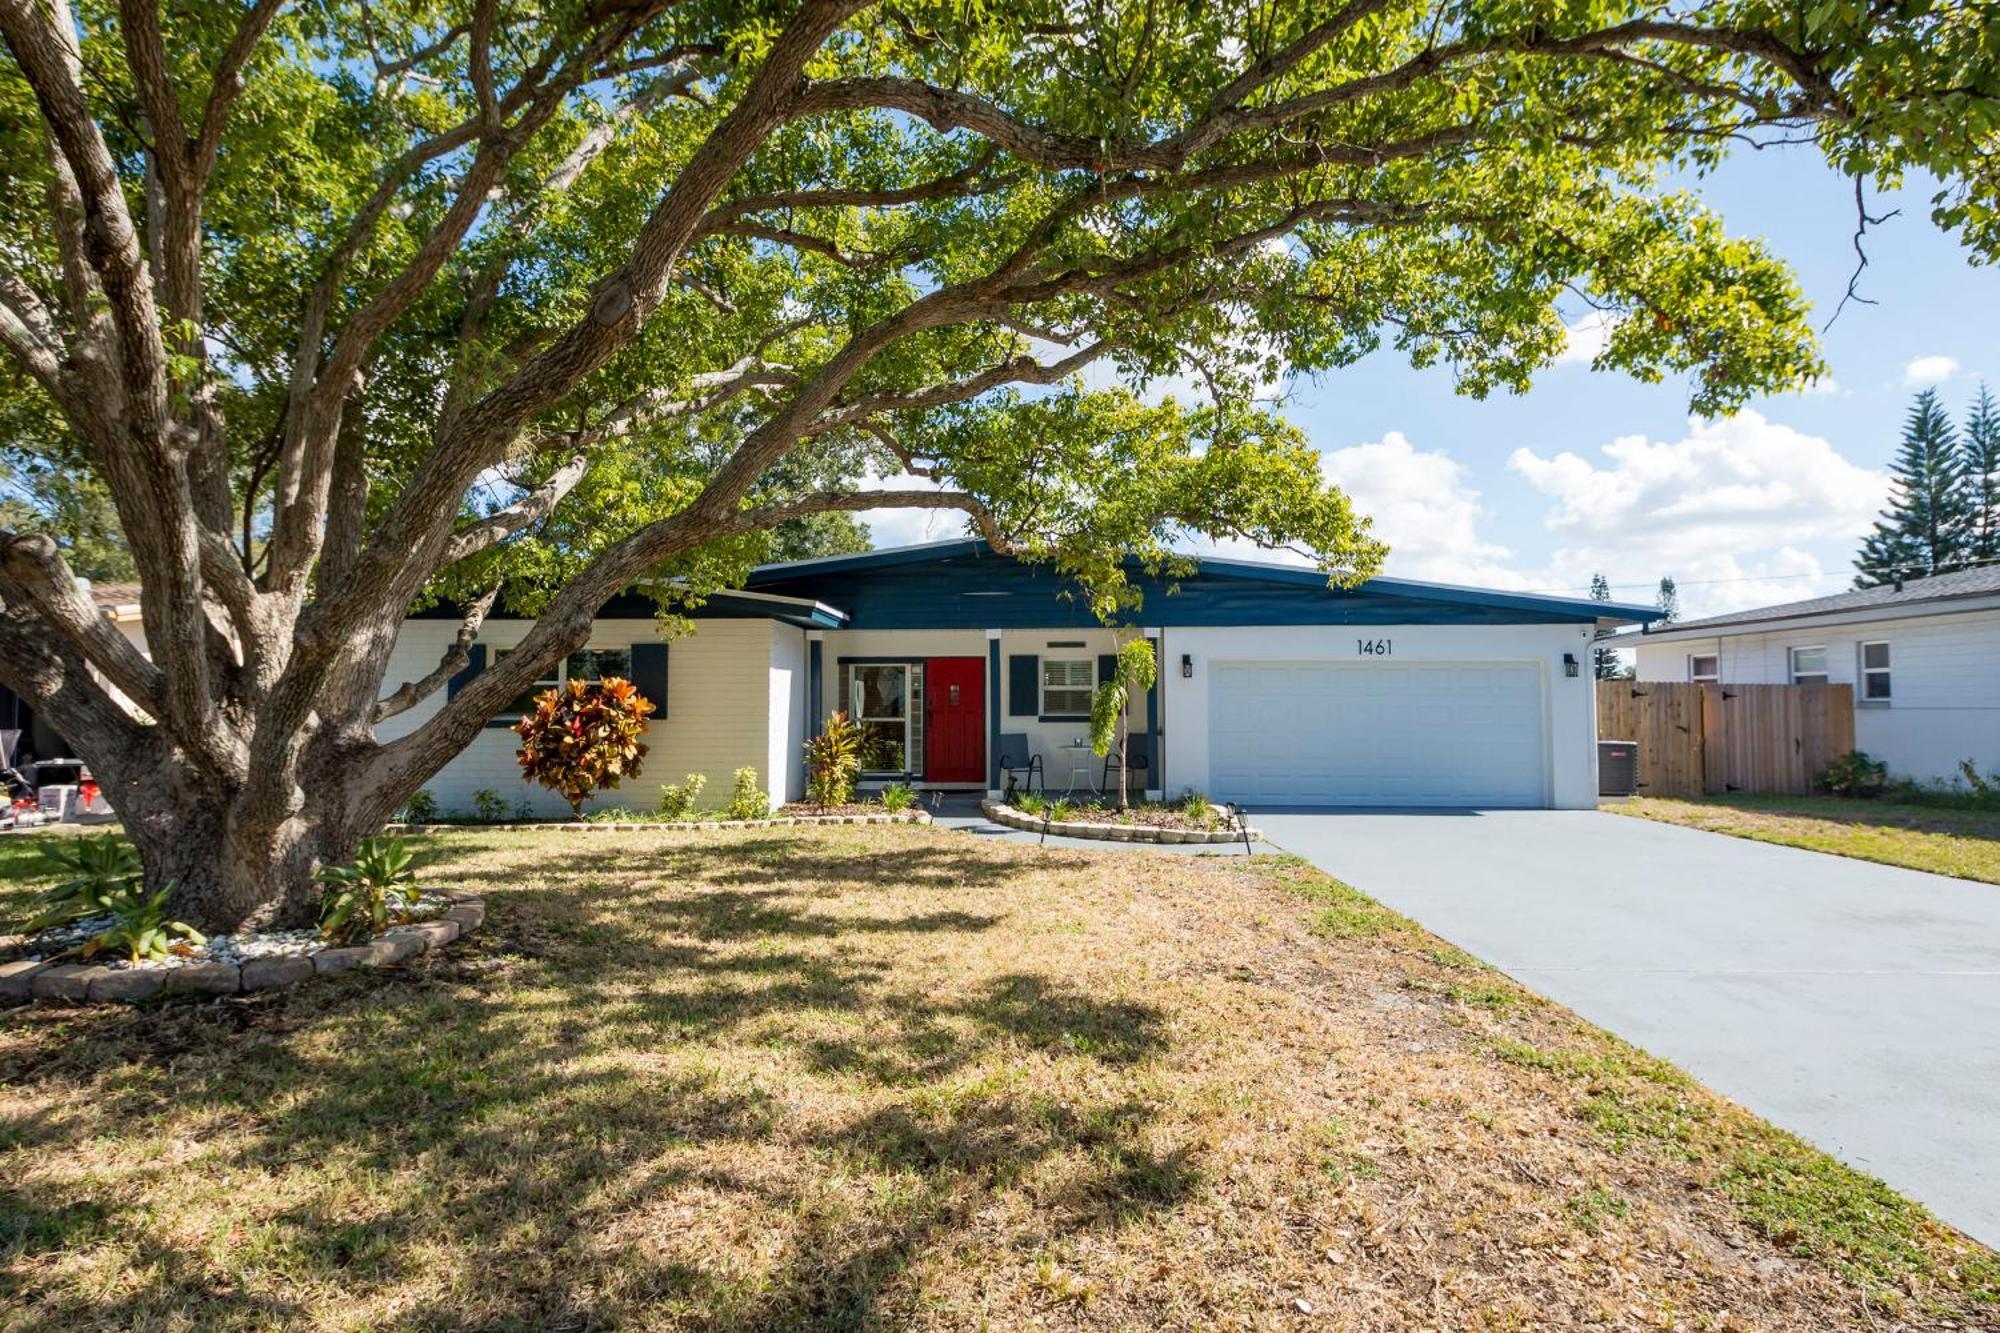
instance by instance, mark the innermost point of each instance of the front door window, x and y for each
(885, 699)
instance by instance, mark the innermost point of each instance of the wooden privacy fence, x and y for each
(1697, 740)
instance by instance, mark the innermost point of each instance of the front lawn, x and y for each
(891, 1076)
(1964, 843)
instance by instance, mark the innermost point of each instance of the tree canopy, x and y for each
(1944, 502)
(346, 305)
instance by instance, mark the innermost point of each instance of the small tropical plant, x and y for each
(421, 808)
(360, 899)
(898, 797)
(1111, 705)
(103, 872)
(747, 797)
(488, 806)
(584, 737)
(142, 932)
(1982, 786)
(1061, 809)
(1031, 802)
(680, 800)
(1855, 775)
(833, 762)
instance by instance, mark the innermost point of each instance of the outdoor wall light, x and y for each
(1187, 666)
(1569, 664)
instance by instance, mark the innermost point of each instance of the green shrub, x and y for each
(488, 806)
(1982, 786)
(1031, 802)
(833, 762)
(748, 799)
(142, 932)
(1854, 775)
(421, 808)
(361, 898)
(1061, 808)
(898, 797)
(584, 737)
(681, 802)
(104, 872)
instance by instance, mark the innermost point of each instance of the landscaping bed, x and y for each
(895, 1077)
(1963, 843)
(871, 813)
(42, 965)
(1188, 821)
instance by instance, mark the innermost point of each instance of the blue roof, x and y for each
(892, 589)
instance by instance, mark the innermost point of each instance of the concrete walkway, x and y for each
(1854, 1004)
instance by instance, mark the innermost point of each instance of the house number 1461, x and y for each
(1372, 647)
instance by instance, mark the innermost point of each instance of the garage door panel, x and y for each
(1336, 733)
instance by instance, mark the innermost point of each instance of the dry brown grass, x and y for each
(896, 1077)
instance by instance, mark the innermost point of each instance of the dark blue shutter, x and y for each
(1107, 667)
(475, 662)
(1024, 685)
(649, 673)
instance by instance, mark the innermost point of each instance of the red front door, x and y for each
(954, 719)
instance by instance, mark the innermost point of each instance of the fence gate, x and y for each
(1710, 739)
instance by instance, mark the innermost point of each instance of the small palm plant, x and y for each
(103, 871)
(361, 899)
(142, 930)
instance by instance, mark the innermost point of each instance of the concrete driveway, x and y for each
(1854, 1004)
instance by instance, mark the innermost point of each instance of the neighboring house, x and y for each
(1923, 656)
(1273, 688)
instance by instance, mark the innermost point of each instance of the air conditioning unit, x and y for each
(1617, 768)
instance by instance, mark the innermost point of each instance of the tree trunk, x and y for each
(230, 874)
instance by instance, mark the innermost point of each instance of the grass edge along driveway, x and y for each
(899, 1077)
(1963, 844)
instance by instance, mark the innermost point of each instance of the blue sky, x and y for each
(1592, 471)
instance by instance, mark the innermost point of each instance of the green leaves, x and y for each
(102, 873)
(361, 899)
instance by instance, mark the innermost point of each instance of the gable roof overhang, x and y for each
(1924, 609)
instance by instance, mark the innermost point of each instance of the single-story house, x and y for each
(1923, 656)
(1273, 689)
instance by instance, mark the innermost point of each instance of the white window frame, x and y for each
(1819, 677)
(1863, 672)
(1714, 677)
(561, 676)
(1089, 673)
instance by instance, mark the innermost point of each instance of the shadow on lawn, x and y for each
(607, 1106)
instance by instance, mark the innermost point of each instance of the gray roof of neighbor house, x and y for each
(1922, 596)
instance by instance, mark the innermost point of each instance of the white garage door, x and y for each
(1338, 733)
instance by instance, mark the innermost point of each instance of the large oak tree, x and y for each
(350, 305)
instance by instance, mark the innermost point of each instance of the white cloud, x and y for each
(1928, 370)
(1587, 337)
(1424, 507)
(1730, 511)
(904, 526)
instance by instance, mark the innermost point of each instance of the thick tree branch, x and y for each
(411, 693)
(35, 572)
(524, 513)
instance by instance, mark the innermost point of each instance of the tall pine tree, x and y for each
(1926, 527)
(1980, 450)
(1603, 661)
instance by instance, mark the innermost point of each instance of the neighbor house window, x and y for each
(1809, 666)
(1875, 671)
(583, 664)
(1703, 667)
(1066, 686)
(885, 699)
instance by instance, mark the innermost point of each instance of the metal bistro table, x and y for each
(1081, 763)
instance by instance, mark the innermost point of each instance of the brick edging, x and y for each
(1027, 823)
(680, 825)
(94, 983)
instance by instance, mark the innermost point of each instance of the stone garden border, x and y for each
(1001, 813)
(94, 983)
(679, 825)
